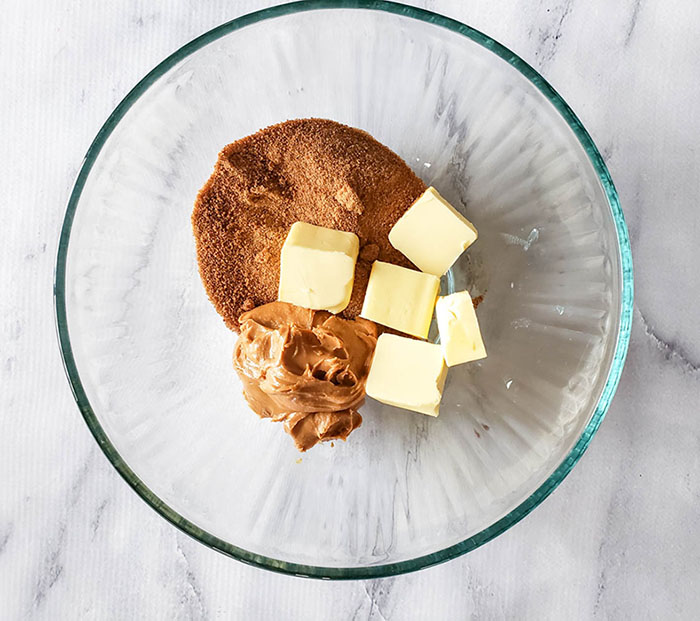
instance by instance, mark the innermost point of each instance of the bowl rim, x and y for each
(516, 514)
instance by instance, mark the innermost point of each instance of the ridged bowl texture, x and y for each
(150, 360)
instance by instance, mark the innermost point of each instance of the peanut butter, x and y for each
(305, 368)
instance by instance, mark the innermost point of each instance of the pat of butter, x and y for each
(432, 234)
(408, 374)
(317, 267)
(400, 298)
(460, 336)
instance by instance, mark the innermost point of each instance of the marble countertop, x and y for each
(618, 539)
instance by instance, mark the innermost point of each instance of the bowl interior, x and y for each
(154, 359)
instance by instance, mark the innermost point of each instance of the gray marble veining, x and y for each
(617, 540)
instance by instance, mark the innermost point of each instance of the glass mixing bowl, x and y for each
(149, 359)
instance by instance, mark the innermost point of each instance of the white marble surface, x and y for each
(619, 539)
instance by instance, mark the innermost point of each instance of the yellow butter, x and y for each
(408, 374)
(401, 298)
(432, 234)
(460, 337)
(317, 267)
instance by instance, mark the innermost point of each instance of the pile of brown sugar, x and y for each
(309, 170)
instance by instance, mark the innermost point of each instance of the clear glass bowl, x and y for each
(149, 360)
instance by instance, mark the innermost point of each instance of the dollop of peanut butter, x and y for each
(305, 368)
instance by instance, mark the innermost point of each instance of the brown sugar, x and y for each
(309, 170)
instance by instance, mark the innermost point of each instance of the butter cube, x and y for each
(432, 234)
(460, 336)
(317, 267)
(400, 298)
(408, 374)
